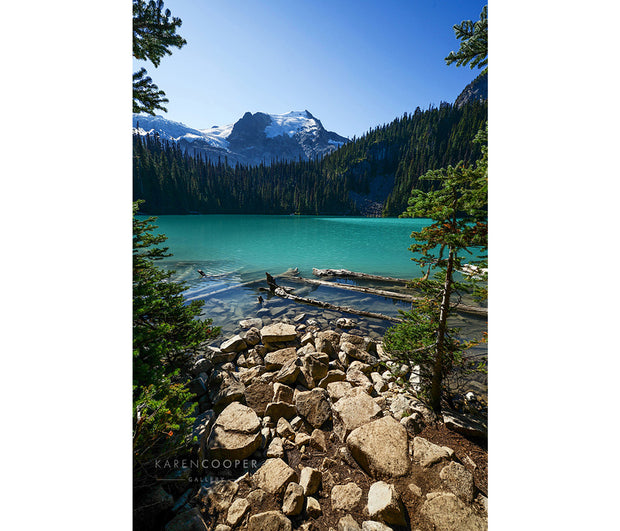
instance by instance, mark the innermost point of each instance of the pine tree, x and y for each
(154, 33)
(474, 42)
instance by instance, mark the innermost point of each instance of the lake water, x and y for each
(235, 251)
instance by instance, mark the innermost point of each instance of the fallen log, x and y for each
(464, 308)
(353, 274)
(283, 293)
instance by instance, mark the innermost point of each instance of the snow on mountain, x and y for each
(253, 139)
(290, 124)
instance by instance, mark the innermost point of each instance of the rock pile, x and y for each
(301, 428)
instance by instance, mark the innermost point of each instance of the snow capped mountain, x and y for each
(253, 139)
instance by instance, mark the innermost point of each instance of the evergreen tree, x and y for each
(154, 33)
(458, 209)
(474, 42)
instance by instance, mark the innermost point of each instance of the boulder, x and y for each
(258, 395)
(426, 454)
(385, 504)
(234, 344)
(282, 393)
(313, 508)
(269, 521)
(345, 497)
(337, 390)
(318, 440)
(358, 378)
(293, 502)
(274, 476)
(225, 388)
(334, 375)
(237, 511)
(302, 439)
(351, 412)
(381, 448)
(235, 434)
(187, 521)
(310, 480)
(284, 429)
(327, 341)
(447, 512)
(314, 406)
(275, 448)
(277, 410)
(345, 322)
(274, 361)
(459, 480)
(348, 523)
(278, 332)
(414, 423)
(464, 425)
(251, 337)
(288, 373)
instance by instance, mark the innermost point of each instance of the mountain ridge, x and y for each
(258, 138)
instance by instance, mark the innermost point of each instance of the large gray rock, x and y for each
(358, 378)
(224, 389)
(269, 521)
(187, 521)
(258, 395)
(345, 497)
(278, 332)
(234, 344)
(314, 406)
(293, 502)
(274, 476)
(351, 412)
(237, 511)
(310, 480)
(337, 390)
(371, 525)
(447, 512)
(288, 373)
(348, 523)
(274, 361)
(282, 393)
(277, 410)
(459, 480)
(327, 341)
(335, 375)
(385, 504)
(312, 370)
(235, 434)
(275, 448)
(381, 448)
(426, 453)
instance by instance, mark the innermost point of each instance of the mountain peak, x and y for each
(253, 139)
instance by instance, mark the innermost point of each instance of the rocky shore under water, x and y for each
(303, 426)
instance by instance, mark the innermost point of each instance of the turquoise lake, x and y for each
(235, 251)
(247, 244)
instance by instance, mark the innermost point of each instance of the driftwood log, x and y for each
(285, 294)
(353, 274)
(464, 308)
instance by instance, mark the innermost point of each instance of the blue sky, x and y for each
(354, 65)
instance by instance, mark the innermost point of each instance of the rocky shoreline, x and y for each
(303, 427)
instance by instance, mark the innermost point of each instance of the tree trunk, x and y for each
(441, 336)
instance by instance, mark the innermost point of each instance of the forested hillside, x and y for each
(378, 169)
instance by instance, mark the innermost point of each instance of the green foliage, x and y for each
(164, 329)
(164, 325)
(474, 42)
(154, 33)
(174, 182)
(161, 425)
(457, 206)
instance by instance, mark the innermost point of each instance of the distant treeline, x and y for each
(173, 182)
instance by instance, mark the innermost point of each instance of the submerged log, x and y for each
(284, 293)
(353, 274)
(464, 308)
